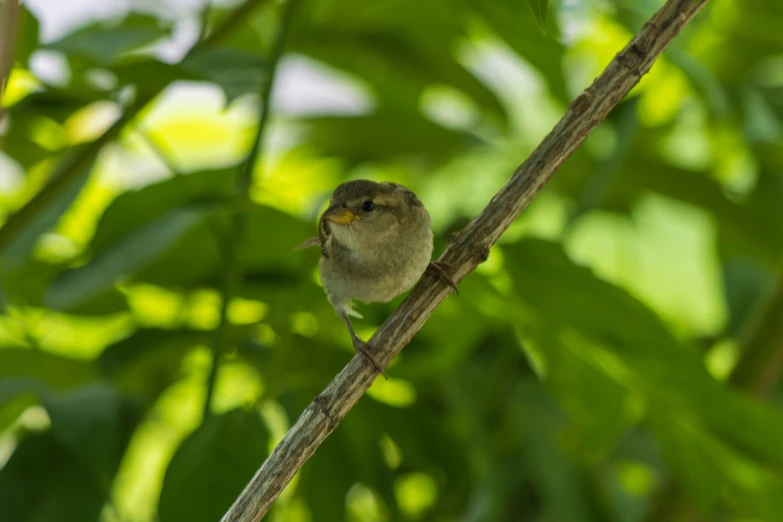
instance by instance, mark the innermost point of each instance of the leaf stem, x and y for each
(232, 275)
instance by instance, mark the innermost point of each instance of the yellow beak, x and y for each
(340, 216)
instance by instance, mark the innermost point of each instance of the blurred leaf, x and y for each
(747, 228)
(624, 340)
(134, 209)
(130, 254)
(213, 465)
(539, 8)
(28, 376)
(236, 72)
(384, 137)
(55, 371)
(266, 250)
(563, 484)
(150, 76)
(147, 362)
(105, 42)
(365, 41)
(27, 39)
(88, 422)
(512, 22)
(19, 248)
(11, 409)
(43, 481)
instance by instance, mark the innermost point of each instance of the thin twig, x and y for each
(74, 163)
(232, 273)
(469, 248)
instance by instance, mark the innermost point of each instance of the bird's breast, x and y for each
(377, 274)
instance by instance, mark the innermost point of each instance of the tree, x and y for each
(549, 389)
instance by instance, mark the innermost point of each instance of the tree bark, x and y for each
(468, 248)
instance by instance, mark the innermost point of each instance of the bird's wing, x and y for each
(307, 243)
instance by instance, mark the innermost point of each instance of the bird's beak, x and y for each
(339, 215)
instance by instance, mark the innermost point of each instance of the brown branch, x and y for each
(469, 248)
(74, 163)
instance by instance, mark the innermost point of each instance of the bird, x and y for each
(376, 242)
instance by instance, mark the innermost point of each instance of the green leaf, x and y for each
(212, 466)
(89, 422)
(539, 8)
(625, 342)
(236, 72)
(266, 251)
(27, 40)
(106, 42)
(384, 137)
(134, 209)
(43, 481)
(19, 248)
(129, 255)
(28, 376)
(55, 371)
(150, 77)
(512, 23)
(147, 362)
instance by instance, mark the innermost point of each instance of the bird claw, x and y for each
(438, 270)
(362, 348)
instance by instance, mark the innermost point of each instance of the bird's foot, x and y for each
(363, 348)
(438, 270)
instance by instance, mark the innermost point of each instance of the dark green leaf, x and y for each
(235, 71)
(27, 39)
(88, 422)
(213, 465)
(131, 254)
(148, 361)
(539, 8)
(106, 42)
(45, 482)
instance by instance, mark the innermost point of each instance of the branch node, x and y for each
(320, 405)
(480, 253)
(581, 103)
(632, 57)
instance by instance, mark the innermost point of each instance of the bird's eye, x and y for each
(367, 206)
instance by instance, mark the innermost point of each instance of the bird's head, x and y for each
(364, 213)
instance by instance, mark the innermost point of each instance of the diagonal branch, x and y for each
(468, 248)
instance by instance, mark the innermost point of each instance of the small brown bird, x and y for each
(376, 242)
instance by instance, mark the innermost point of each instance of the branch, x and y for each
(468, 248)
(761, 363)
(74, 163)
(232, 274)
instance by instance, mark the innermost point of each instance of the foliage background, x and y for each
(617, 358)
